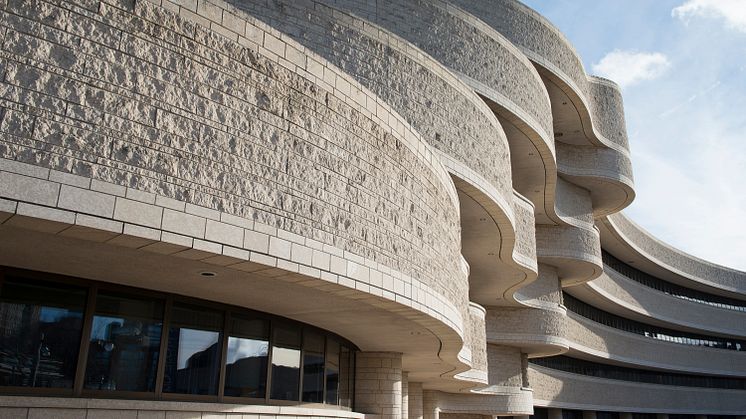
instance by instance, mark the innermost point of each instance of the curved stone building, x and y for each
(334, 209)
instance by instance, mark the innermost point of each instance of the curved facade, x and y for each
(336, 209)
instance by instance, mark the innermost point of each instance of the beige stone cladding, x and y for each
(680, 266)
(437, 103)
(378, 384)
(605, 155)
(132, 122)
(58, 408)
(632, 299)
(571, 391)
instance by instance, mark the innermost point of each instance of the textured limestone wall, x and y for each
(574, 204)
(506, 400)
(473, 49)
(607, 108)
(543, 330)
(560, 389)
(445, 110)
(547, 46)
(525, 233)
(137, 96)
(509, 359)
(675, 260)
(546, 290)
(476, 339)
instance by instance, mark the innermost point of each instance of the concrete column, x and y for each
(554, 413)
(378, 389)
(430, 408)
(404, 395)
(625, 415)
(415, 400)
(590, 414)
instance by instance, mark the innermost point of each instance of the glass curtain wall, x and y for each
(64, 336)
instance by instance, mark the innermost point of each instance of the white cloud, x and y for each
(630, 67)
(732, 11)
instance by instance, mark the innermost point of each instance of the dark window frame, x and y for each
(93, 287)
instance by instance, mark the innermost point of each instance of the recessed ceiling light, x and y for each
(208, 274)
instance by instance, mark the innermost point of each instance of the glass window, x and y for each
(313, 367)
(346, 379)
(285, 362)
(40, 330)
(124, 343)
(246, 362)
(332, 371)
(194, 350)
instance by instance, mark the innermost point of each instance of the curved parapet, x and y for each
(475, 346)
(505, 401)
(630, 242)
(214, 182)
(449, 115)
(587, 111)
(502, 75)
(538, 328)
(492, 66)
(589, 339)
(615, 293)
(565, 390)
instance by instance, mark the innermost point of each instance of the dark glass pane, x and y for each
(124, 344)
(346, 379)
(246, 363)
(332, 371)
(286, 336)
(40, 329)
(285, 363)
(194, 351)
(313, 367)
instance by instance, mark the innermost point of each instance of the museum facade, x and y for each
(303, 209)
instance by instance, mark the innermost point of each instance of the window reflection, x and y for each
(193, 352)
(124, 343)
(285, 363)
(332, 371)
(246, 361)
(40, 328)
(313, 367)
(41, 324)
(346, 383)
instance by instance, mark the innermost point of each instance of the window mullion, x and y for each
(85, 340)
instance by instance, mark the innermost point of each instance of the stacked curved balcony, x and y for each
(659, 310)
(567, 241)
(234, 151)
(497, 222)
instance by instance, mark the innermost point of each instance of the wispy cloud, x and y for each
(630, 67)
(689, 100)
(732, 11)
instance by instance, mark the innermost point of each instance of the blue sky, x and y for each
(682, 67)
